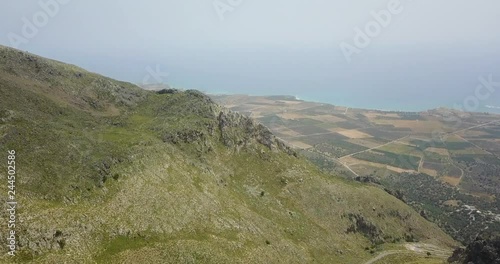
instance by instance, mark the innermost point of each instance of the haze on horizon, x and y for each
(429, 54)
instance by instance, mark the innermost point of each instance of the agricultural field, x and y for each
(454, 151)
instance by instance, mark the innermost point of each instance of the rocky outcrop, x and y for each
(205, 122)
(39, 241)
(365, 227)
(484, 250)
(239, 130)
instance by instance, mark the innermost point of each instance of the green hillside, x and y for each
(110, 173)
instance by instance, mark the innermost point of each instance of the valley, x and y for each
(442, 160)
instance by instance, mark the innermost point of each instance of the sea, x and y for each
(397, 79)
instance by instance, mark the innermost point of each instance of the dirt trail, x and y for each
(472, 127)
(414, 248)
(383, 145)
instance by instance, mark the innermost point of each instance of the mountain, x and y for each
(107, 172)
(155, 86)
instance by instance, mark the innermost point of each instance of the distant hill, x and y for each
(155, 87)
(108, 172)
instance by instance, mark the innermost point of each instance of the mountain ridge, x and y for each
(111, 173)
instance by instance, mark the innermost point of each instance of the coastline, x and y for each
(482, 109)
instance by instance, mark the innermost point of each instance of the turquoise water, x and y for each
(372, 92)
(405, 79)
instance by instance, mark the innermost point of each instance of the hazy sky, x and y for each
(428, 48)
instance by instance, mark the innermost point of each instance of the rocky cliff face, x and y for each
(484, 250)
(234, 130)
(238, 130)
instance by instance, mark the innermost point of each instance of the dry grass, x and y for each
(335, 129)
(400, 148)
(473, 133)
(364, 143)
(451, 180)
(286, 131)
(353, 133)
(327, 118)
(350, 161)
(440, 151)
(291, 116)
(430, 172)
(300, 144)
(470, 151)
(416, 126)
(453, 203)
(374, 115)
(454, 138)
(291, 103)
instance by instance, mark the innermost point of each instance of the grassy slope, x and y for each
(97, 183)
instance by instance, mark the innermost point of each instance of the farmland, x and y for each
(459, 158)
